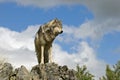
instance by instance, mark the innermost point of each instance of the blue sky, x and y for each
(90, 31)
(18, 17)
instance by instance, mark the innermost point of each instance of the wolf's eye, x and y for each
(48, 30)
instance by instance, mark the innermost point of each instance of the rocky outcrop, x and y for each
(5, 71)
(48, 71)
(21, 74)
(52, 72)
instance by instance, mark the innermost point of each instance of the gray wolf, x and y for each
(44, 39)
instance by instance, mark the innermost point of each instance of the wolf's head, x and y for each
(55, 26)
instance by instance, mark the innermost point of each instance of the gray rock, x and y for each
(6, 71)
(48, 71)
(51, 71)
(22, 74)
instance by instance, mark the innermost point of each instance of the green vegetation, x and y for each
(83, 74)
(112, 73)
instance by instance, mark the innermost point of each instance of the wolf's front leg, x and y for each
(42, 54)
(50, 54)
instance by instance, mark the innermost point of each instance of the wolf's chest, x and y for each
(45, 38)
(42, 40)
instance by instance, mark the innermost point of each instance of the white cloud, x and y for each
(106, 14)
(41, 3)
(90, 29)
(85, 55)
(18, 48)
(101, 8)
(11, 40)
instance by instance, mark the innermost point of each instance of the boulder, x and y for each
(6, 71)
(21, 74)
(51, 71)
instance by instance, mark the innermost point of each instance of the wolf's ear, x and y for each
(55, 20)
(51, 22)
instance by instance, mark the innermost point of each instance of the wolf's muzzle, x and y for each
(61, 32)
